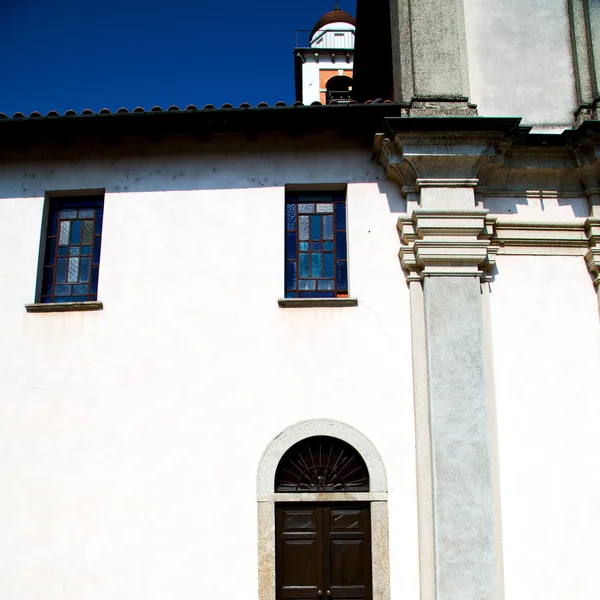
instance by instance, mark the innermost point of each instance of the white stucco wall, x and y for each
(311, 90)
(537, 206)
(130, 437)
(546, 335)
(520, 61)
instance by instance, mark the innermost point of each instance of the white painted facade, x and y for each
(523, 46)
(546, 348)
(131, 437)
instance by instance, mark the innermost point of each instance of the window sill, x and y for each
(316, 302)
(62, 307)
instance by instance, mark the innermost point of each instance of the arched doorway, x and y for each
(323, 548)
(339, 88)
(322, 516)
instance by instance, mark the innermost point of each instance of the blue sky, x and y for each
(62, 54)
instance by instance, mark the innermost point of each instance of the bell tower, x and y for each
(324, 59)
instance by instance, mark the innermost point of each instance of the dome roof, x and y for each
(337, 15)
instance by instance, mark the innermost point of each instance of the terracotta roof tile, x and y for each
(356, 118)
(189, 108)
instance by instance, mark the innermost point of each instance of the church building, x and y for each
(344, 349)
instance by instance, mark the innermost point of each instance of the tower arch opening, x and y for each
(339, 88)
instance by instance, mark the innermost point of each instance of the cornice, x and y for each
(460, 125)
(481, 147)
(388, 154)
(446, 182)
(530, 193)
(442, 151)
(586, 153)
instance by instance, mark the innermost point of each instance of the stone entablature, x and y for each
(447, 174)
(469, 242)
(446, 243)
(561, 238)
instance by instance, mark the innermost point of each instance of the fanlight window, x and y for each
(322, 464)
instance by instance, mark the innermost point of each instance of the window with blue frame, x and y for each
(316, 256)
(72, 254)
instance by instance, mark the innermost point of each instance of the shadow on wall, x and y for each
(492, 274)
(537, 189)
(189, 164)
(539, 203)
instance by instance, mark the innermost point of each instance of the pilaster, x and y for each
(593, 30)
(430, 62)
(446, 252)
(584, 18)
(593, 196)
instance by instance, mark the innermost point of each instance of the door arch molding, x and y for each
(267, 497)
(281, 443)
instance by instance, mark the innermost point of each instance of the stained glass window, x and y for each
(72, 255)
(316, 256)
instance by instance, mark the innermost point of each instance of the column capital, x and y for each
(592, 258)
(587, 149)
(587, 158)
(442, 151)
(447, 243)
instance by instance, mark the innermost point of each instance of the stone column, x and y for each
(446, 251)
(430, 62)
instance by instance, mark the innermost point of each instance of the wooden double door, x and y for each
(323, 551)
